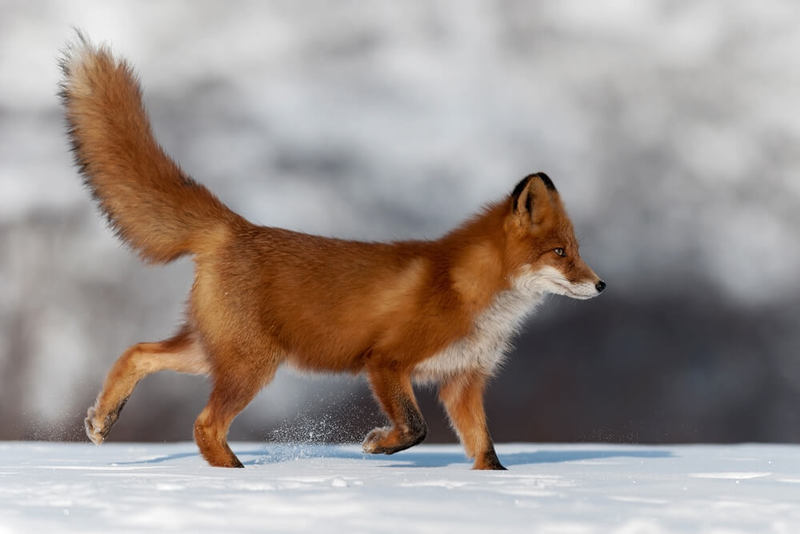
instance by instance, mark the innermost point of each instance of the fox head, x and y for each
(541, 244)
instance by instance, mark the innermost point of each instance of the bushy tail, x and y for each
(151, 204)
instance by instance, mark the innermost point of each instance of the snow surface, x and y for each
(564, 489)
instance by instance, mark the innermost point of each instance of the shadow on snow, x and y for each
(282, 452)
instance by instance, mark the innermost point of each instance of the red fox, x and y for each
(440, 311)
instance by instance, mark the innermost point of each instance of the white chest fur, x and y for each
(485, 346)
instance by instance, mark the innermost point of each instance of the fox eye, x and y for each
(560, 252)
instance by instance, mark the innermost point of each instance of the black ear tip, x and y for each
(548, 183)
(520, 187)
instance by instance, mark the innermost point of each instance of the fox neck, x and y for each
(496, 292)
(480, 266)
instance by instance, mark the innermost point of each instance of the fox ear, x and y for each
(548, 183)
(517, 194)
(523, 196)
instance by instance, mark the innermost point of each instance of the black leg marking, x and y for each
(491, 461)
(417, 429)
(416, 424)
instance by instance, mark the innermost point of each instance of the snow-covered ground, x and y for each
(70, 487)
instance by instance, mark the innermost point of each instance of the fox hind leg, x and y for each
(228, 398)
(182, 353)
(238, 377)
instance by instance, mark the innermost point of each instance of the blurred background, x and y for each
(671, 129)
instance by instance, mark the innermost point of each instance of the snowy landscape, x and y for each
(671, 128)
(548, 489)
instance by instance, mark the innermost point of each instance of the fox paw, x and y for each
(488, 462)
(96, 430)
(375, 441)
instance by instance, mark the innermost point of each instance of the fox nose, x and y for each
(600, 286)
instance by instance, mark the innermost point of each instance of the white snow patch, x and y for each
(730, 476)
(58, 487)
